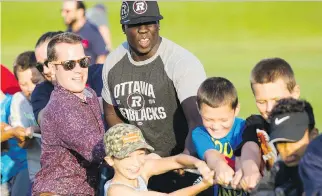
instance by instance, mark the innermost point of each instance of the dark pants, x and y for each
(106, 173)
(171, 181)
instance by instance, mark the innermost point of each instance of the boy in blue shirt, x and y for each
(14, 171)
(221, 131)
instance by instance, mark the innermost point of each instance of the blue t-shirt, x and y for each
(203, 141)
(15, 159)
(93, 41)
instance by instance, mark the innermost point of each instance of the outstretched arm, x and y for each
(8, 132)
(160, 166)
(117, 190)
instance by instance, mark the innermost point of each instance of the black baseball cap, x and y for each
(136, 12)
(289, 127)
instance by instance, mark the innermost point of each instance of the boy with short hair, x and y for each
(271, 79)
(221, 132)
(21, 113)
(126, 149)
(292, 129)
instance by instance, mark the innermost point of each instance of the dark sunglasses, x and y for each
(40, 66)
(70, 64)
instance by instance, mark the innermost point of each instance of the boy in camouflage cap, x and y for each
(126, 151)
(122, 139)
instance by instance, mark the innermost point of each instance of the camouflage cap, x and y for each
(123, 139)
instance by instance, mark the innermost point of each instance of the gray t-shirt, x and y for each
(149, 93)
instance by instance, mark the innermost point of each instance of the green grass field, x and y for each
(228, 37)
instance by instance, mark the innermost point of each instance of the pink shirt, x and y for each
(72, 144)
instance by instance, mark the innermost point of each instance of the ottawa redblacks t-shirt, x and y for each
(149, 93)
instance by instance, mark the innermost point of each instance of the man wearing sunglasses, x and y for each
(42, 92)
(72, 127)
(151, 82)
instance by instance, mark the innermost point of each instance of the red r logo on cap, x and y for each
(140, 7)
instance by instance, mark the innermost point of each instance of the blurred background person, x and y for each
(98, 16)
(73, 13)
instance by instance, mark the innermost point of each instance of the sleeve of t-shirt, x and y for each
(106, 93)
(99, 46)
(253, 123)
(40, 97)
(189, 73)
(201, 141)
(16, 112)
(111, 59)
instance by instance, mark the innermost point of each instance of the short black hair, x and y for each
(80, 5)
(291, 105)
(24, 61)
(47, 36)
(67, 37)
(216, 92)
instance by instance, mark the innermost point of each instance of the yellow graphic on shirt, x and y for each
(223, 148)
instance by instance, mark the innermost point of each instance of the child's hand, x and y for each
(250, 179)
(205, 171)
(209, 179)
(19, 133)
(223, 173)
(29, 132)
(236, 180)
(5, 126)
